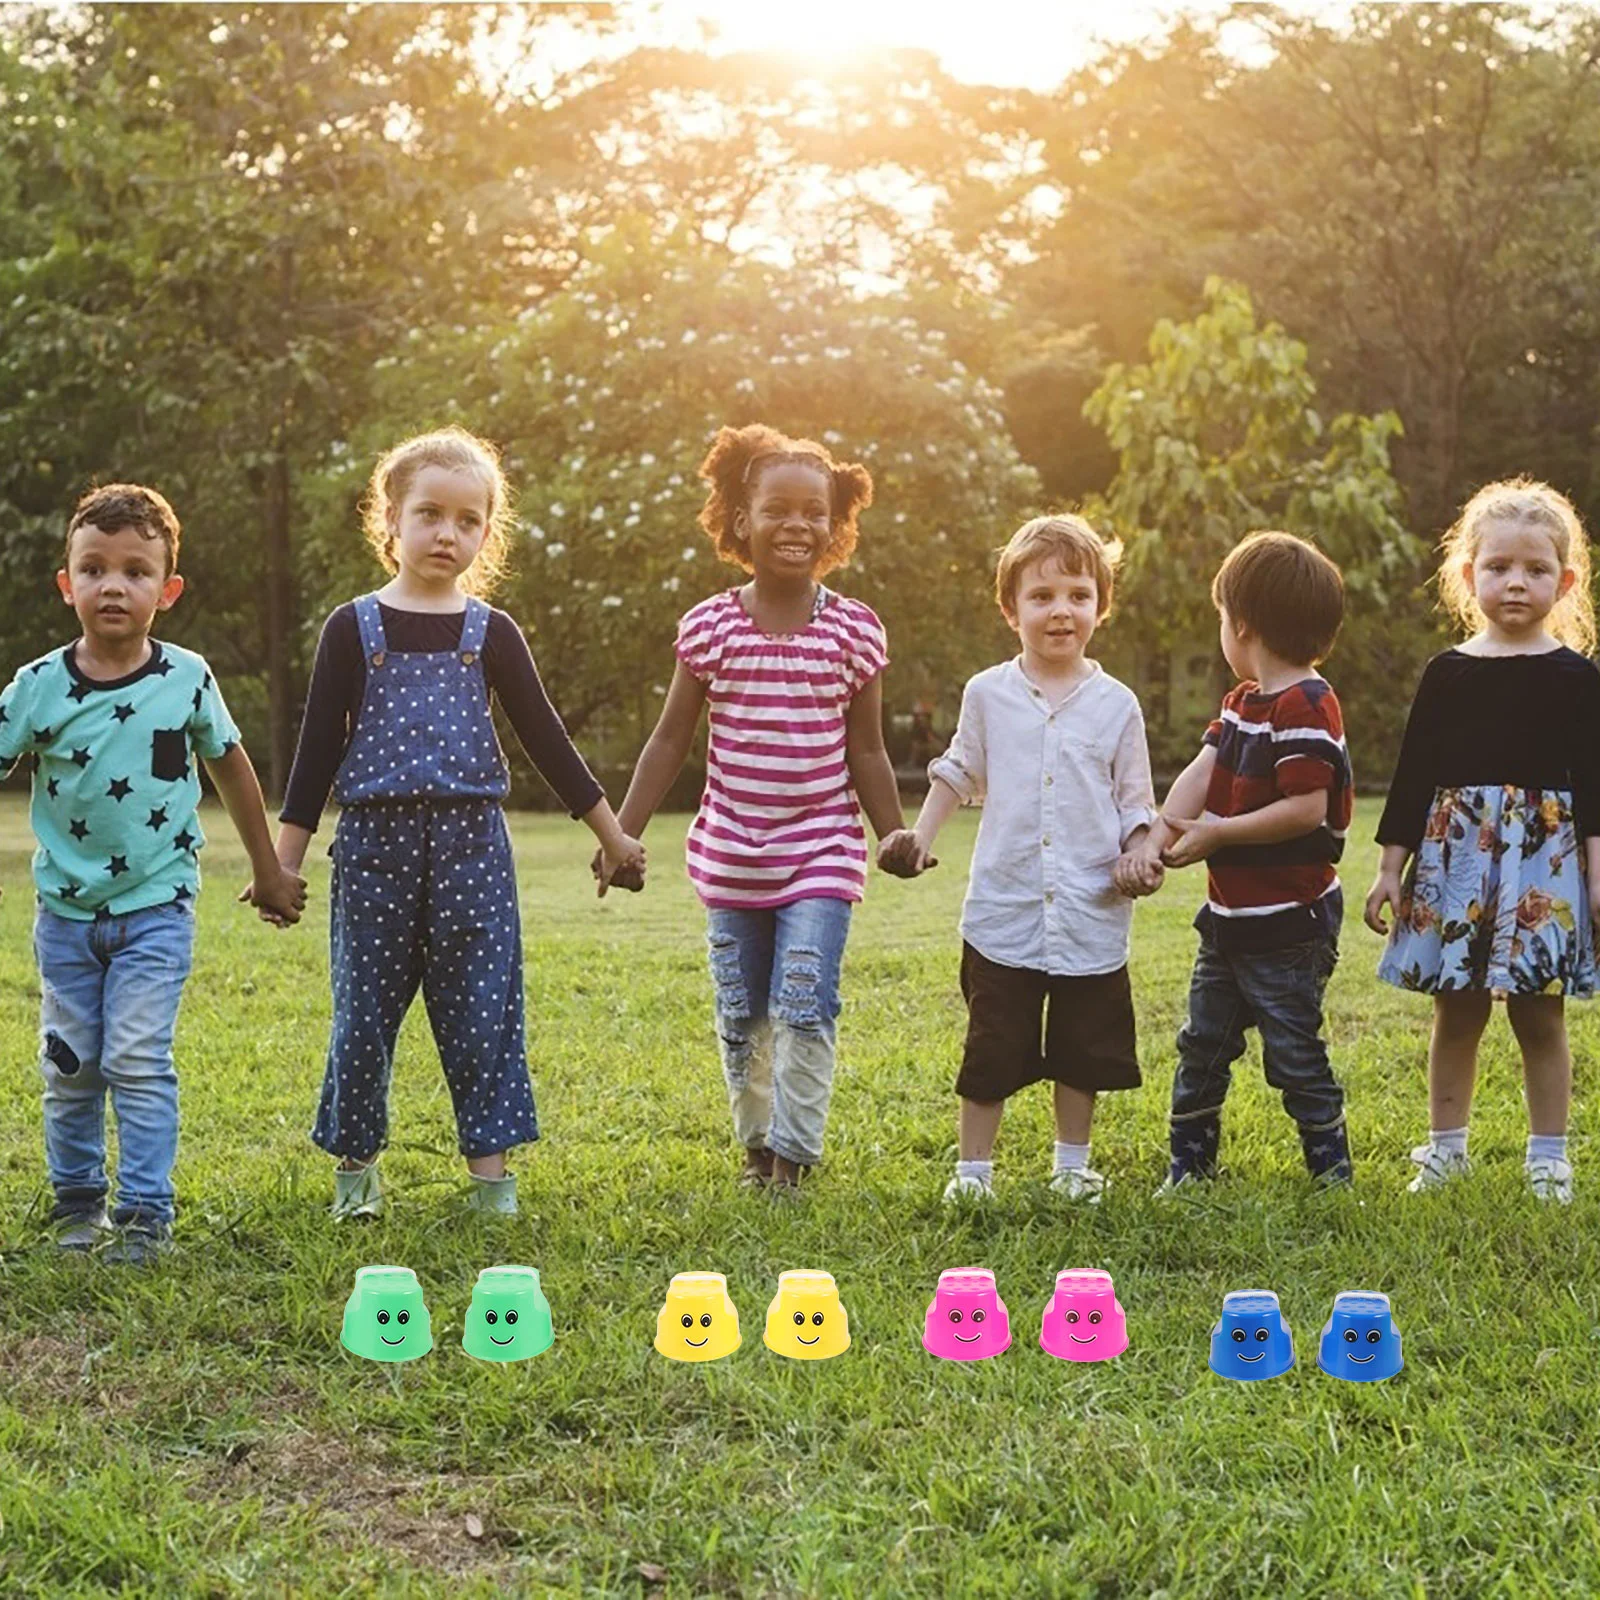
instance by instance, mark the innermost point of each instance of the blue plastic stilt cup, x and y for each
(1360, 1342)
(1252, 1340)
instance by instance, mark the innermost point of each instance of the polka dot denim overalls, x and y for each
(425, 894)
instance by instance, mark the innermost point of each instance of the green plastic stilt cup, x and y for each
(509, 1318)
(385, 1318)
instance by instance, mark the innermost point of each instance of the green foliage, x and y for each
(1218, 435)
(231, 212)
(230, 232)
(605, 397)
(1412, 186)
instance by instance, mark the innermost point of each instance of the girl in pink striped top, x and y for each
(791, 673)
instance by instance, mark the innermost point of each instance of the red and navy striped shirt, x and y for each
(1271, 747)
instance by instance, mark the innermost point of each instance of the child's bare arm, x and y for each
(1288, 818)
(293, 842)
(870, 771)
(959, 777)
(1137, 872)
(659, 763)
(909, 851)
(621, 855)
(1386, 888)
(278, 893)
(1185, 799)
(665, 751)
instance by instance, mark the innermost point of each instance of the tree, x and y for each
(250, 206)
(1418, 183)
(604, 398)
(1218, 435)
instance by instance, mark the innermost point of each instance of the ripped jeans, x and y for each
(111, 989)
(776, 977)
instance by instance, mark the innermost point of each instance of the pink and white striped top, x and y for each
(779, 820)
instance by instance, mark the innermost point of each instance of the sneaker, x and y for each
(1081, 1185)
(964, 1191)
(495, 1197)
(78, 1226)
(1438, 1167)
(1550, 1178)
(139, 1243)
(357, 1194)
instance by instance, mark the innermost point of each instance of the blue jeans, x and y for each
(776, 977)
(111, 992)
(1279, 993)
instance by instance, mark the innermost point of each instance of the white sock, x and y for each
(1071, 1157)
(1448, 1141)
(983, 1171)
(1547, 1147)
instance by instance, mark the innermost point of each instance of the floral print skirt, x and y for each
(1495, 898)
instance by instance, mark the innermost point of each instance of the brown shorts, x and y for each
(1088, 1041)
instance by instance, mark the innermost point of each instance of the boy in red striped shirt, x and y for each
(1266, 805)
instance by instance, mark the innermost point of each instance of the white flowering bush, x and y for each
(604, 399)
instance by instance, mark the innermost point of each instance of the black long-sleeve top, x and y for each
(1531, 720)
(339, 679)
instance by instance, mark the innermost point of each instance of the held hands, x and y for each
(1138, 872)
(620, 867)
(902, 854)
(278, 896)
(630, 877)
(1196, 840)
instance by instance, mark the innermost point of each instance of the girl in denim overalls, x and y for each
(424, 891)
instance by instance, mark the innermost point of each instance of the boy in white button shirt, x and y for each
(1054, 750)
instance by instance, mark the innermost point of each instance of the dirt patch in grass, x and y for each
(43, 1370)
(416, 1518)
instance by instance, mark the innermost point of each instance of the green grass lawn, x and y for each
(198, 1429)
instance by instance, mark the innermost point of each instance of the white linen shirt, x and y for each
(1062, 789)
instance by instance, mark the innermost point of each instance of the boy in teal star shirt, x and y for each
(113, 723)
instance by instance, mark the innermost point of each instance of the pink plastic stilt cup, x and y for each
(1083, 1321)
(967, 1320)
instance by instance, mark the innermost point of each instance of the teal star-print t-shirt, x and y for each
(116, 786)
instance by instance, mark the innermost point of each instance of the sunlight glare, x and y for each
(1034, 43)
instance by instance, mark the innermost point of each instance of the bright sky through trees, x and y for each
(1028, 43)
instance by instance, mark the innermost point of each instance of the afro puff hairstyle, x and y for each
(734, 463)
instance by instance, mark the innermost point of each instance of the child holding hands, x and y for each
(790, 673)
(398, 724)
(113, 723)
(1054, 749)
(1265, 805)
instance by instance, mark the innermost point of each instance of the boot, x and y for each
(357, 1194)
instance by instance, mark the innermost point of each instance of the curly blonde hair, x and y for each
(458, 451)
(1536, 505)
(1068, 541)
(736, 457)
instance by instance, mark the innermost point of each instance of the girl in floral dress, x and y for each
(1495, 802)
